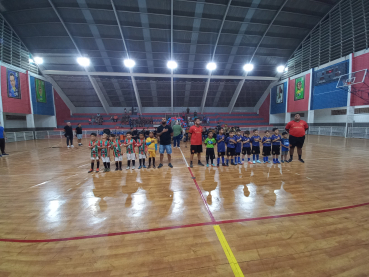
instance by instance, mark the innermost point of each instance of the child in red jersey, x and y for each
(142, 149)
(130, 145)
(104, 146)
(118, 156)
(94, 153)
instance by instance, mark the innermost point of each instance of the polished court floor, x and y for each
(252, 220)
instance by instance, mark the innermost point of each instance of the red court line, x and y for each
(187, 226)
(202, 196)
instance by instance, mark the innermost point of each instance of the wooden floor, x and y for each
(293, 219)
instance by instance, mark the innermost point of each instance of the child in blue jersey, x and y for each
(255, 142)
(285, 142)
(231, 147)
(267, 146)
(246, 149)
(221, 146)
(238, 139)
(276, 145)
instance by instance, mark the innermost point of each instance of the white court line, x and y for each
(309, 178)
(39, 184)
(183, 156)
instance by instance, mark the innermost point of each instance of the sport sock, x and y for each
(257, 156)
(218, 160)
(98, 164)
(140, 162)
(299, 157)
(248, 159)
(129, 163)
(92, 165)
(222, 159)
(227, 161)
(120, 165)
(105, 165)
(108, 164)
(253, 157)
(149, 161)
(133, 163)
(116, 164)
(153, 161)
(143, 161)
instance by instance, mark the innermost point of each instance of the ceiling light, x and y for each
(286, 69)
(129, 63)
(248, 67)
(211, 66)
(38, 60)
(172, 65)
(83, 61)
(280, 68)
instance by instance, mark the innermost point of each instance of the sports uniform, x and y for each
(94, 150)
(276, 145)
(104, 152)
(114, 145)
(255, 145)
(142, 148)
(221, 145)
(246, 149)
(131, 154)
(267, 146)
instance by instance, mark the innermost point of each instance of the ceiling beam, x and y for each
(157, 75)
(138, 100)
(239, 87)
(101, 97)
(203, 102)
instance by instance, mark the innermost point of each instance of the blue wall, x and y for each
(278, 108)
(42, 108)
(327, 95)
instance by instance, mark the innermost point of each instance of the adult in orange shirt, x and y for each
(297, 129)
(195, 134)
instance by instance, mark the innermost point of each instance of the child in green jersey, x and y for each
(210, 143)
(104, 146)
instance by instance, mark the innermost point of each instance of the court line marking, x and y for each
(199, 190)
(227, 250)
(188, 225)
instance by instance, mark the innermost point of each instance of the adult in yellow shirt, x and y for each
(151, 143)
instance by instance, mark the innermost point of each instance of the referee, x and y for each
(297, 129)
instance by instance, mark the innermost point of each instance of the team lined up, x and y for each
(237, 143)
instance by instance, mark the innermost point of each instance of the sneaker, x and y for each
(212, 164)
(191, 165)
(170, 165)
(0, 155)
(282, 161)
(301, 160)
(153, 166)
(120, 169)
(128, 167)
(223, 164)
(144, 166)
(232, 163)
(72, 146)
(240, 163)
(264, 162)
(81, 144)
(200, 164)
(108, 170)
(105, 170)
(287, 161)
(133, 167)
(90, 171)
(290, 160)
(97, 170)
(277, 162)
(207, 165)
(68, 146)
(5, 154)
(253, 162)
(160, 165)
(149, 166)
(217, 165)
(268, 162)
(259, 162)
(139, 167)
(250, 162)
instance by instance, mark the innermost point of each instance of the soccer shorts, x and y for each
(297, 141)
(210, 153)
(95, 158)
(231, 151)
(276, 149)
(237, 154)
(266, 150)
(105, 159)
(118, 159)
(152, 154)
(196, 149)
(246, 150)
(131, 157)
(142, 156)
(221, 154)
(256, 150)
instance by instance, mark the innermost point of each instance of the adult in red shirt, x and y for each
(297, 129)
(195, 134)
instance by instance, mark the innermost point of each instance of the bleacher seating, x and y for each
(234, 119)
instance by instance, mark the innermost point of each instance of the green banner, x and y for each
(40, 91)
(299, 88)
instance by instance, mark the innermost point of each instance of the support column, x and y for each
(310, 117)
(287, 118)
(30, 121)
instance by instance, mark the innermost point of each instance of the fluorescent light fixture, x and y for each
(129, 63)
(172, 65)
(248, 67)
(38, 60)
(83, 61)
(211, 66)
(280, 68)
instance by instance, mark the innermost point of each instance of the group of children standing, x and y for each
(102, 148)
(237, 143)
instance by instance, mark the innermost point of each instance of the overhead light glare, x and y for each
(172, 65)
(211, 66)
(280, 69)
(38, 60)
(83, 61)
(248, 67)
(129, 63)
